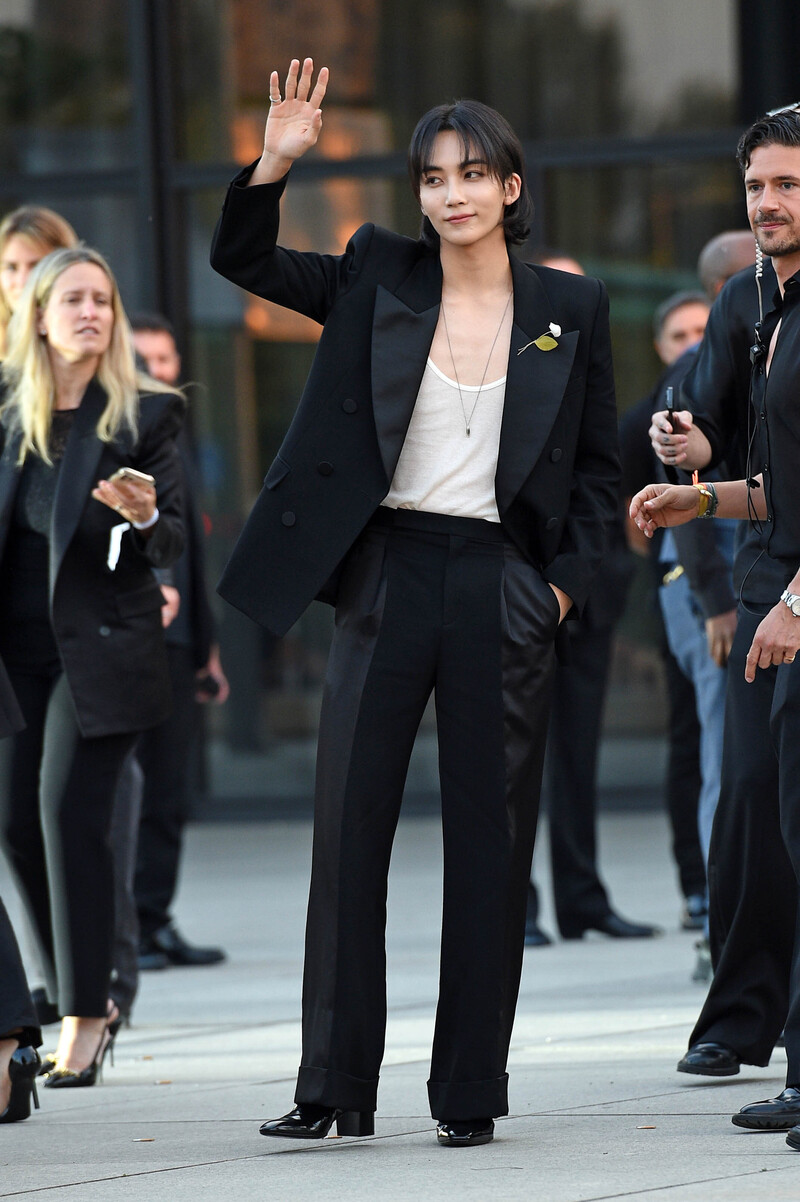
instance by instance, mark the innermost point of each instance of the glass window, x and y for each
(65, 88)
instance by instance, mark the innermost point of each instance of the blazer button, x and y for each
(325, 468)
(551, 523)
(104, 631)
(556, 454)
(288, 518)
(349, 405)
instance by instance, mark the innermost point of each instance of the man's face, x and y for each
(772, 189)
(683, 328)
(159, 352)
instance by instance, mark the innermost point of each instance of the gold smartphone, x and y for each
(130, 473)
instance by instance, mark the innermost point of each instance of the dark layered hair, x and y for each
(783, 129)
(484, 134)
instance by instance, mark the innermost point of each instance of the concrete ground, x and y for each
(598, 1111)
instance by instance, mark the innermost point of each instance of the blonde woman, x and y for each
(89, 504)
(26, 236)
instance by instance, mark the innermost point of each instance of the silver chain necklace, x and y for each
(468, 420)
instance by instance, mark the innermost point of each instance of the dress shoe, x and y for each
(694, 912)
(59, 1077)
(22, 1070)
(46, 1011)
(611, 924)
(151, 960)
(793, 1139)
(464, 1133)
(314, 1122)
(775, 1114)
(169, 941)
(710, 1060)
(535, 936)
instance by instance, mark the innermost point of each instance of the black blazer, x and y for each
(107, 623)
(557, 471)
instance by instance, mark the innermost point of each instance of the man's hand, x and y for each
(214, 670)
(669, 436)
(293, 123)
(776, 641)
(720, 631)
(664, 505)
(170, 605)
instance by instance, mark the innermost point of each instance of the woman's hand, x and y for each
(294, 121)
(664, 505)
(133, 500)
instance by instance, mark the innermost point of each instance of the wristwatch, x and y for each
(792, 600)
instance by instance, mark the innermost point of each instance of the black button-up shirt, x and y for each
(776, 401)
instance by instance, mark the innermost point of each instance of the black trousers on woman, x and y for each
(16, 1008)
(427, 602)
(56, 797)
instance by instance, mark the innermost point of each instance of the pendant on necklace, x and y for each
(467, 431)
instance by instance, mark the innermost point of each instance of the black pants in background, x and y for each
(16, 1008)
(163, 754)
(426, 603)
(752, 889)
(56, 797)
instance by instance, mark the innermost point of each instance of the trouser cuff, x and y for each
(469, 1099)
(326, 1087)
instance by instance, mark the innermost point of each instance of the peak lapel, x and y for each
(403, 326)
(535, 384)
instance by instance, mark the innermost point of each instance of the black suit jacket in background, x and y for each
(107, 623)
(557, 471)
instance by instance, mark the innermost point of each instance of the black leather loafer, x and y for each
(464, 1133)
(314, 1122)
(710, 1060)
(775, 1114)
(170, 942)
(793, 1139)
(611, 924)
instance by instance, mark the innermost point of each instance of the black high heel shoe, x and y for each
(22, 1070)
(307, 1121)
(70, 1078)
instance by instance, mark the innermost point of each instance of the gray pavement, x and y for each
(598, 1111)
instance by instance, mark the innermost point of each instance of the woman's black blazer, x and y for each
(557, 472)
(107, 622)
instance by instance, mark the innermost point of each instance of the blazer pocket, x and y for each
(277, 471)
(139, 601)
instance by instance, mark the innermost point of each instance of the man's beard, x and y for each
(777, 242)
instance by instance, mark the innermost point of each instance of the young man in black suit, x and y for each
(446, 482)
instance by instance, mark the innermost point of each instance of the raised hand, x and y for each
(294, 120)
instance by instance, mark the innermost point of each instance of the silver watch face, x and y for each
(793, 601)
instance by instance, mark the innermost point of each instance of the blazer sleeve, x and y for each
(156, 453)
(596, 473)
(244, 250)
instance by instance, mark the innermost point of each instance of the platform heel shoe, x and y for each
(22, 1070)
(307, 1121)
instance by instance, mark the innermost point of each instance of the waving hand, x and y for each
(294, 121)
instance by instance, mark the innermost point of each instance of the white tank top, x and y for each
(441, 469)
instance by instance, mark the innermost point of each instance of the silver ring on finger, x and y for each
(274, 99)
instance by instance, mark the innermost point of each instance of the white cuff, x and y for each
(146, 525)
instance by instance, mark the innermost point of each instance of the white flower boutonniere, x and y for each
(547, 341)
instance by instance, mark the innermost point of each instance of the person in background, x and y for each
(81, 526)
(26, 235)
(164, 752)
(20, 1032)
(581, 899)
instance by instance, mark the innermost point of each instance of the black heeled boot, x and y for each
(22, 1070)
(307, 1121)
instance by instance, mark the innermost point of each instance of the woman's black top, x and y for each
(27, 642)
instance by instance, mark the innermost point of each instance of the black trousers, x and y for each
(785, 724)
(56, 797)
(16, 1007)
(163, 754)
(445, 604)
(576, 720)
(682, 785)
(752, 889)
